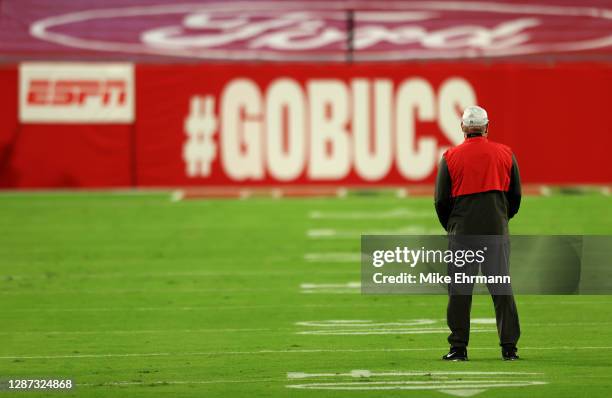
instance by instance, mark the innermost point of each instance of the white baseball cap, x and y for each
(474, 116)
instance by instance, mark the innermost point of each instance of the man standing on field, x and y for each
(478, 190)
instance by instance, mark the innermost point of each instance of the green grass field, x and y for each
(139, 296)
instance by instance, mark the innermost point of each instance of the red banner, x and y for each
(364, 123)
(314, 124)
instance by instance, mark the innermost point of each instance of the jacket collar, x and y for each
(475, 139)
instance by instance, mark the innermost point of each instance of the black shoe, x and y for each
(456, 354)
(509, 354)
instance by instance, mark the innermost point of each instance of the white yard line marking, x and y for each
(331, 233)
(365, 323)
(465, 392)
(366, 373)
(263, 352)
(357, 332)
(330, 291)
(415, 385)
(368, 215)
(333, 257)
(344, 327)
(458, 383)
(483, 321)
(348, 285)
(320, 233)
(330, 288)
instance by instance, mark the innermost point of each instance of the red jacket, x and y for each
(479, 165)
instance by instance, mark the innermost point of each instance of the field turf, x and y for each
(139, 296)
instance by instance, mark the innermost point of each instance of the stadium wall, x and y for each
(151, 125)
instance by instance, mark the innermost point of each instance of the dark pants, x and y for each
(460, 295)
(458, 319)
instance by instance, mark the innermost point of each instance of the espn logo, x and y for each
(76, 93)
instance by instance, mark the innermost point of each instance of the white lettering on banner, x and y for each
(285, 112)
(372, 141)
(241, 135)
(415, 157)
(329, 141)
(76, 93)
(200, 126)
(325, 128)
